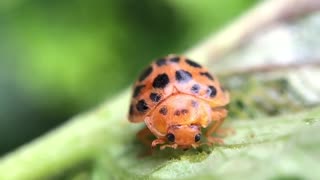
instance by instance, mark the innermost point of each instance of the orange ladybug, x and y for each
(177, 99)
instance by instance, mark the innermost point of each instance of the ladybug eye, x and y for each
(170, 137)
(197, 137)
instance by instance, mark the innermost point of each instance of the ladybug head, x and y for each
(184, 135)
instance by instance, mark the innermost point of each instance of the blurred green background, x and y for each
(59, 58)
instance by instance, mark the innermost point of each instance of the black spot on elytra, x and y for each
(177, 113)
(211, 91)
(174, 59)
(137, 90)
(142, 106)
(161, 62)
(161, 81)
(183, 76)
(208, 75)
(193, 64)
(194, 103)
(145, 73)
(195, 88)
(163, 110)
(155, 97)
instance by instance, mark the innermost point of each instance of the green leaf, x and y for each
(271, 148)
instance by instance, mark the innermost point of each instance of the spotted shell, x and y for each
(171, 75)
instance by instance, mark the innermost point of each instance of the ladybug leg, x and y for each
(223, 132)
(157, 141)
(218, 116)
(144, 136)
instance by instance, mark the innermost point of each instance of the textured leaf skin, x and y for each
(271, 148)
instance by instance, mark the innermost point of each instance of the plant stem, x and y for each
(258, 18)
(76, 141)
